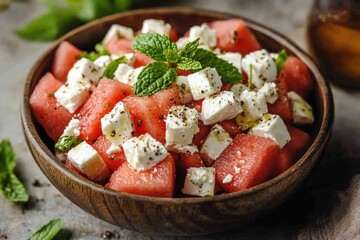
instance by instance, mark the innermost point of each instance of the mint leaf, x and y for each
(189, 64)
(7, 157)
(154, 77)
(111, 68)
(12, 188)
(153, 45)
(100, 50)
(171, 56)
(48, 231)
(280, 60)
(228, 72)
(190, 47)
(66, 142)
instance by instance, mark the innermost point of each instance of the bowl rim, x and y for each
(318, 143)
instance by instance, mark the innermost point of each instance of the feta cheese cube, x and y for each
(85, 70)
(228, 178)
(103, 62)
(204, 83)
(273, 127)
(238, 88)
(127, 74)
(117, 125)
(233, 58)
(156, 26)
(73, 128)
(302, 110)
(216, 142)
(200, 181)
(118, 31)
(184, 89)
(73, 95)
(85, 158)
(206, 35)
(263, 67)
(181, 125)
(144, 152)
(191, 148)
(270, 91)
(220, 107)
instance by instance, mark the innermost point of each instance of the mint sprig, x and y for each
(66, 142)
(280, 60)
(100, 50)
(48, 231)
(111, 68)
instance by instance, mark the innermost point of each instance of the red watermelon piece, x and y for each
(141, 60)
(233, 35)
(51, 116)
(119, 45)
(156, 182)
(199, 137)
(282, 106)
(100, 102)
(113, 161)
(188, 160)
(249, 159)
(231, 127)
(64, 59)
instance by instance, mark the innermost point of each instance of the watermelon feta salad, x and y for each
(152, 114)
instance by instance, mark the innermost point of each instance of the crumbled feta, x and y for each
(156, 26)
(216, 142)
(72, 95)
(302, 110)
(118, 31)
(85, 70)
(273, 127)
(200, 182)
(219, 107)
(103, 62)
(144, 152)
(181, 125)
(238, 88)
(73, 128)
(206, 35)
(228, 178)
(204, 83)
(263, 67)
(127, 74)
(237, 169)
(190, 148)
(233, 58)
(184, 89)
(113, 149)
(85, 158)
(117, 125)
(269, 89)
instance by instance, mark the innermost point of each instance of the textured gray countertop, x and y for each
(327, 207)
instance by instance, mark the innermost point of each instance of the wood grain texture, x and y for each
(181, 216)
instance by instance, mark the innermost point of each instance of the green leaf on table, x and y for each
(154, 77)
(92, 9)
(48, 231)
(7, 157)
(65, 143)
(189, 64)
(280, 60)
(153, 45)
(111, 68)
(12, 188)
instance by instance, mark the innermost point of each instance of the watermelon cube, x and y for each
(282, 106)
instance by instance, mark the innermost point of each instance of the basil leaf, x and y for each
(111, 68)
(228, 72)
(280, 60)
(66, 142)
(154, 77)
(153, 45)
(7, 157)
(189, 64)
(12, 188)
(190, 47)
(48, 231)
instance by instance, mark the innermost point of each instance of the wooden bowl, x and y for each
(175, 216)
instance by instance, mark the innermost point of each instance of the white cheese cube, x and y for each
(144, 152)
(127, 74)
(85, 158)
(302, 110)
(206, 35)
(204, 83)
(181, 125)
(85, 70)
(103, 61)
(270, 91)
(216, 142)
(273, 127)
(156, 26)
(254, 107)
(184, 89)
(117, 125)
(219, 107)
(238, 88)
(73, 128)
(191, 148)
(200, 182)
(233, 58)
(73, 95)
(263, 67)
(118, 31)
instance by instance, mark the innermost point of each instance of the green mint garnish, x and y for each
(111, 68)
(190, 47)
(171, 56)
(280, 60)
(66, 142)
(100, 50)
(189, 64)
(48, 231)
(154, 77)
(10, 185)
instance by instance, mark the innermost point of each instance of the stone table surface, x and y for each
(326, 207)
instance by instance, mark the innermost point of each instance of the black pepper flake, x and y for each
(113, 133)
(161, 116)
